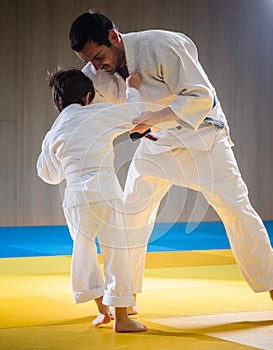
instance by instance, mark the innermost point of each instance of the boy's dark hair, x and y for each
(90, 25)
(70, 86)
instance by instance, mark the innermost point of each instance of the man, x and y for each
(194, 149)
(79, 149)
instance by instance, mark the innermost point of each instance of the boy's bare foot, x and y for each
(104, 315)
(271, 294)
(102, 319)
(132, 310)
(124, 324)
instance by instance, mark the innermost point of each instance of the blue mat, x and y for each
(30, 241)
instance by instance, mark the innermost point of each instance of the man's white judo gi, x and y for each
(194, 152)
(79, 149)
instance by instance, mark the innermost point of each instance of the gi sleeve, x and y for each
(48, 166)
(186, 78)
(90, 71)
(133, 96)
(120, 117)
(133, 108)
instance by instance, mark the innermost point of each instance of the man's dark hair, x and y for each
(70, 86)
(90, 25)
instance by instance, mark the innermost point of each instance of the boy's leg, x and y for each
(86, 274)
(87, 280)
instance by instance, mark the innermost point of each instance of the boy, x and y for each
(79, 149)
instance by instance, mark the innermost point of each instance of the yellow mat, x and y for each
(191, 300)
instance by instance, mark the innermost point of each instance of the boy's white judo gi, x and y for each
(194, 152)
(79, 149)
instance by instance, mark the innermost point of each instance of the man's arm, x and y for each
(185, 78)
(148, 119)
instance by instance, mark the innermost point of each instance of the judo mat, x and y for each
(192, 298)
(55, 240)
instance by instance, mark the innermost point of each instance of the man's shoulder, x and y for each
(156, 42)
(155, 36)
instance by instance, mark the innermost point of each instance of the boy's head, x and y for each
(71, 86)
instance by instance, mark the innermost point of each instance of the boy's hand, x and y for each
(134, 80)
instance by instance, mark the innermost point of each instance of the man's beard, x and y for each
(119, 57)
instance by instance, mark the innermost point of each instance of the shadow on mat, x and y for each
(223, 327)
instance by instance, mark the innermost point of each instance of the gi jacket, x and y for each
(79, 148)
(171, 76)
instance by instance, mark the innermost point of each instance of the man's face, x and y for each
(106, 58)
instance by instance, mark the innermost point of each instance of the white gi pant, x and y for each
(105, 220)
(216, 175)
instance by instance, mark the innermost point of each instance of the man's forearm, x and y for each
(149, 119)
(166, 114)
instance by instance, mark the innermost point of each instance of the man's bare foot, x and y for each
(271, 294)
(102, 319)
(124, 324)
(129, 325)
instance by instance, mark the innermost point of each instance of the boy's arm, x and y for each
(133, 83)
(48, 166)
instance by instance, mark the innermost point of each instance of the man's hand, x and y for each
(148, 119)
